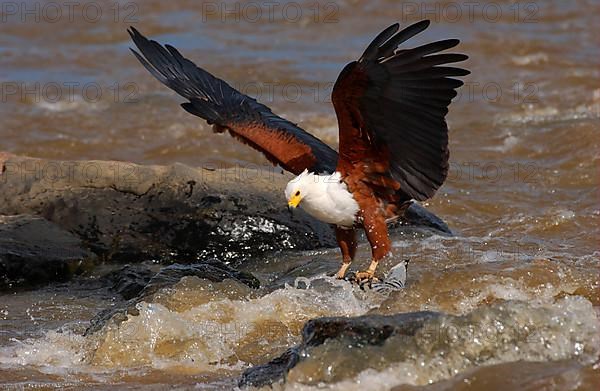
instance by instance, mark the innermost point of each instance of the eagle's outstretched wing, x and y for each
(391, 106)
(253, 123)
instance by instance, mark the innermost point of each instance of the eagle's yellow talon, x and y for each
(342, 272)
(366, 276)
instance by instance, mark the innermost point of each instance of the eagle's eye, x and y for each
(297, 193)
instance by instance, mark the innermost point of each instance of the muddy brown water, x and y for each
(522, 195)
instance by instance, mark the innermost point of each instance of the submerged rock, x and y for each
(128, 281)
(421, 348)
(34, 251)
(358, 331)
(137, 283)
(128, 212)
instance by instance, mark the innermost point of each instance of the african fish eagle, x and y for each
(393, 138)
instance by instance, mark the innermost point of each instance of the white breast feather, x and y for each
(327, 198)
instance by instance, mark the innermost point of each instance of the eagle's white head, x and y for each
(325, 197)
(305, 185)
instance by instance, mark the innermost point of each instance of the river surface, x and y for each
(522, 271)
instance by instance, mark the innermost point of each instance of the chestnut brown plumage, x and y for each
(393, 138)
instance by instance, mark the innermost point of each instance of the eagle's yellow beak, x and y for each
(294, 201)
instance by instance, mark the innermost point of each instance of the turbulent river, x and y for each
(519, 279)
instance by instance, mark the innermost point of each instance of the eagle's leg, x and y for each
(346, 239)
(377, 235)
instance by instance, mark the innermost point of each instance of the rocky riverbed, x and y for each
(76, 222)
(137, 286)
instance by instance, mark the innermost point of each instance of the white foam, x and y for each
(530, 59)
(204, 338)
(75, 104)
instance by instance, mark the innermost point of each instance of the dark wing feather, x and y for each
(391, 106)
(251, 122)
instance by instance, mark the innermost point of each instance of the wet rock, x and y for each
(128, 281)
(130, 213)
(357, 331)
(275, 370)
(363, 330)
(210, 269)
(34, 251)
(137, 283)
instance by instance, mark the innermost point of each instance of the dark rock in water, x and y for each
(128, 213)
(210, 269)
(137, 283)
(34, 251)
(276, 369)
(363, 330)
(357, 331)
(116, 314)
(128, 281)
